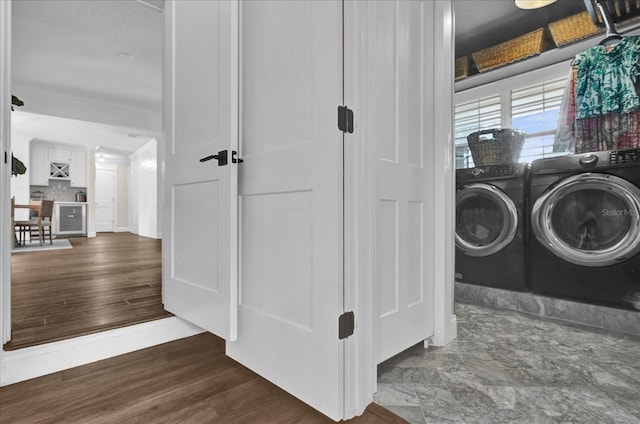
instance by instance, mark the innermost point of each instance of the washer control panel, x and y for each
(492, 171)
(624, 156)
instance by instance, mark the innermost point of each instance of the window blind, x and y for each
(535, 111)
(471, 117)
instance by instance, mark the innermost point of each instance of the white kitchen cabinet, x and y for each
(59, 164)
(78, 168)
(49, 161)
(59, 155)
(39, 165)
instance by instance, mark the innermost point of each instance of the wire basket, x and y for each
(573, 28)
(495, 146)
(530, 44)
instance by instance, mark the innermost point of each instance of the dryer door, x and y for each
(589, 219)
(486, 219)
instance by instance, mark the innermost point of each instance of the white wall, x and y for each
(62, 105)
(143, 213)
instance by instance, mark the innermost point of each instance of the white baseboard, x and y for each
(23, 364)
(121, 230)
(92, 234)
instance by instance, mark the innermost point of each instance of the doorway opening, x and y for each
(99, 95)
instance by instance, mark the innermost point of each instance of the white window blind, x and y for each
(535, 110)
(471, 117)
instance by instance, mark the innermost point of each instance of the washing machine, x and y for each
(491, 229)
(585, 227)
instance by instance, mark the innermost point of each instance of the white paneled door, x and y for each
(200, 219)
(291, 212)
(105, 200)
(400, 81)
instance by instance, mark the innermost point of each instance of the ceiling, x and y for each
(100, 52)
(111, 52)
(484, 23)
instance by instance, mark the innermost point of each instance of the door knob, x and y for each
(221, 157)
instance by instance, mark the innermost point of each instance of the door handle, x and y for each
(221, 157)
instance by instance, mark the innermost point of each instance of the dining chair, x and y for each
(39, 224)
(15, 227)
(44, 221)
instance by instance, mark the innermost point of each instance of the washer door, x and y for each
(589, 219)
(486, 219)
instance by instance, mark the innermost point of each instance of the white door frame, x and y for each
(360, 293)
(5, 174)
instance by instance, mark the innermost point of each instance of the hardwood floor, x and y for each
(109, 281)
(184, 381)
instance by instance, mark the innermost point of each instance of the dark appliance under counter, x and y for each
(70, 219)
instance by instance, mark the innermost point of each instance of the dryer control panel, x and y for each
(490, 171)
(624, 156)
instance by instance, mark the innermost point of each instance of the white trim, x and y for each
(505, 86)
(23, 364)
(359, 349)
(92, 234)
(5, 176)
(443, 249)
(121, 230)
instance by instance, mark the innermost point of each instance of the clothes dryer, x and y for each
(585, 223)
(490, 226)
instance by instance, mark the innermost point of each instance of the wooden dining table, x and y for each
(35, 207)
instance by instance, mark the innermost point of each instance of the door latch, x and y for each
(234, 158)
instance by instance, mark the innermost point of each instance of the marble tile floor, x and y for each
(510, 367)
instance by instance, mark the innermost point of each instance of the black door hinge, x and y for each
(346, 325)
(6, 158)
(345, 119)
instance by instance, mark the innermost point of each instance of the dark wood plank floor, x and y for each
(184, 381)
(110, 281)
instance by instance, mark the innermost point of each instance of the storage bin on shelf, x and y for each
(495, 146)
(530, 44)
(462, 67)
(573, 28)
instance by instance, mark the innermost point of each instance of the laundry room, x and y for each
(547, 145)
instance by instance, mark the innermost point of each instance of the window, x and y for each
(533, 109)
(471, 117)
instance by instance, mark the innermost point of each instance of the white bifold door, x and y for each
(200, 219)
(401, 66)
(290, 190)
(252, 250)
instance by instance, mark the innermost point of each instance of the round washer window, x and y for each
(486, 219)
(589, 219)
